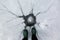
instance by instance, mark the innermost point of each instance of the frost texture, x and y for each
(48, 28)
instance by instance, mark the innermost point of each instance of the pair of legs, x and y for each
(25, 34)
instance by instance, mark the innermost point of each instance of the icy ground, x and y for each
(11, 27)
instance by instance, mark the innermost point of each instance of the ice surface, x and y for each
(48, 29)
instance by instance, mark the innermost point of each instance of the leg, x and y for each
(34, 37)
(25, 34)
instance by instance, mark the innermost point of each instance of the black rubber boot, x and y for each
(25, 34)
(25, 38)
(34, 37)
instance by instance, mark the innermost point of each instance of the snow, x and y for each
(48, 29)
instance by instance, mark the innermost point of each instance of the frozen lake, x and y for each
(11, 27)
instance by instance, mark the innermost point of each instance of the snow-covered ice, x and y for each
(48, 29)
